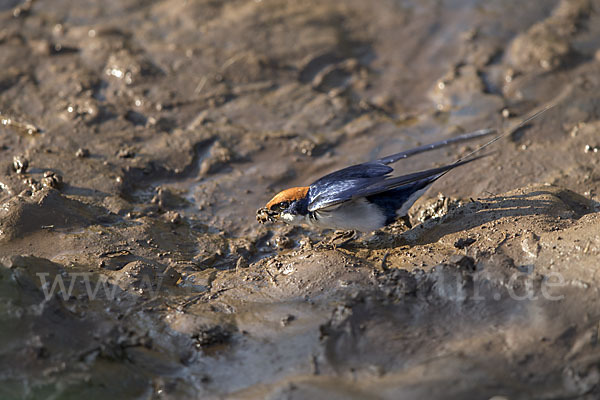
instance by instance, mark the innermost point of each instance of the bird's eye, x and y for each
(280, 206)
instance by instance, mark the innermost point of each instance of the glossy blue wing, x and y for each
(364, 187)
(340, 186)
(390, 183)
(370, 178)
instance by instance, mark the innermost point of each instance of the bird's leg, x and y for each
(406, 221)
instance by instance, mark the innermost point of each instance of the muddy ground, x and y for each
(138, 138)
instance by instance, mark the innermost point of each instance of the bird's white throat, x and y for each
(359, 215)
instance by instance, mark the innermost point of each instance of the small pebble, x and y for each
(52, 180)
(125, 153)
(82, 153)
(285, 321)
(20, 164)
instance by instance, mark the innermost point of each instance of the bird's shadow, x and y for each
(557, 203)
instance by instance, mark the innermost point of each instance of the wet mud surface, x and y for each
(138, 138)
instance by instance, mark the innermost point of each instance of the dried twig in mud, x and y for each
(21, 127)
(273, 281)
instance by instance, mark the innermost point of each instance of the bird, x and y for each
(366, 197)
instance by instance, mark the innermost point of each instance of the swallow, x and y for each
(366, 197)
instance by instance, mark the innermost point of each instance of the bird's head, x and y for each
(289, 205)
